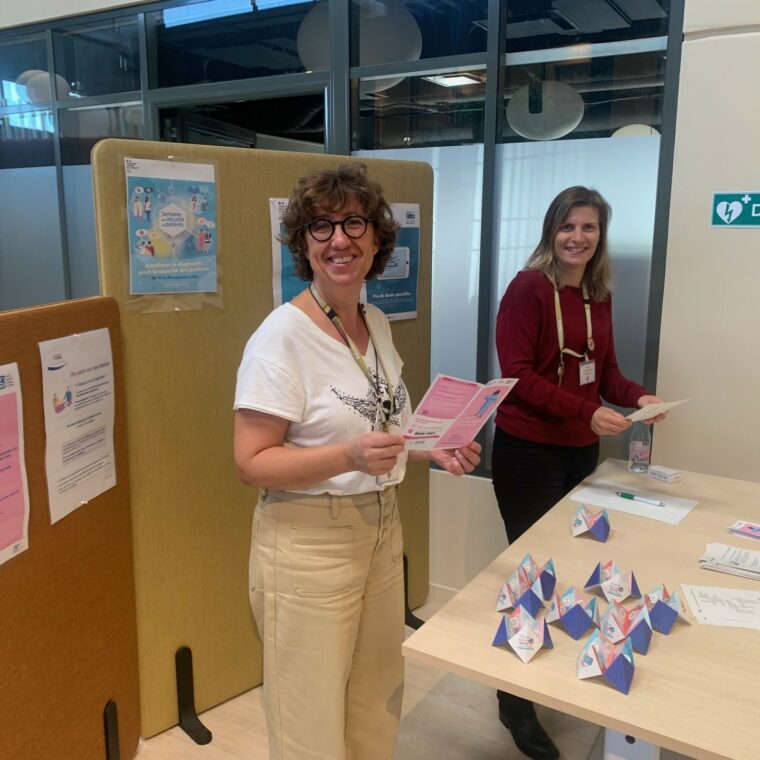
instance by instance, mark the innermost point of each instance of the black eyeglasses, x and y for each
(323, 229)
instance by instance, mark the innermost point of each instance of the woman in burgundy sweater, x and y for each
(554, 333)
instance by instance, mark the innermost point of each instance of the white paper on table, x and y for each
(453, 411)
(652, 410)
(732, 607)
(78, 400)
(14, 491)
(731, 560)
(602, 493)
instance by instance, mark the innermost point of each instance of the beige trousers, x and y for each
(327, 592)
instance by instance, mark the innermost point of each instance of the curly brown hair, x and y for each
(329, 190)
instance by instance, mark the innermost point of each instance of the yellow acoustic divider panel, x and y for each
(68, 641)
(191, 515)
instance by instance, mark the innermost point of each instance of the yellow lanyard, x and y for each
(359, 359)
(561, 332)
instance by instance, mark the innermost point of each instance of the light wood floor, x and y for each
(444, 717)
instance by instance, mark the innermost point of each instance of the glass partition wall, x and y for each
(508, 100)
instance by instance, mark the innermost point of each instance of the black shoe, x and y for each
(530, 737)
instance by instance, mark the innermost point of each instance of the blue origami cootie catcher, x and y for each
(527, 587)
(613, 662)
(613, 582)
(585, 521)
(575, 614)
(523, 634)
(664, 609)
(619, 623)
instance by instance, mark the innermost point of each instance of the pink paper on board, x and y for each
(11, 480)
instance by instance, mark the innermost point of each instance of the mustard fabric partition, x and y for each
(68, 642)
(191, 515)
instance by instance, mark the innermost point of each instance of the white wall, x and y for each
(711, 317)
(466, 531)
(708, 15)
(33, 11)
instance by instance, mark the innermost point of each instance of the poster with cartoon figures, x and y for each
(172, 212)
(78, 401)
(14, 492)
(394, 291)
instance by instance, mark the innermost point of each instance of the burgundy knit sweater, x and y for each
(538, 409)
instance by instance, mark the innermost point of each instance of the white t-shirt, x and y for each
(294, 370)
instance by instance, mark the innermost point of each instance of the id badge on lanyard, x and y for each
(587, 371)
(586, 367)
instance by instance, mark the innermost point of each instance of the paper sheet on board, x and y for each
(14, 493)
(78, 399)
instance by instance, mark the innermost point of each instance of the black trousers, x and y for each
(529, 479)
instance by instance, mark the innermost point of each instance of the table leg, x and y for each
(619, 746)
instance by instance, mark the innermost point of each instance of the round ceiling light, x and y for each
(385, 36)
(37, 85)
(545, 110)
(635, 130)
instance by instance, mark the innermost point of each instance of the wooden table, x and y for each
(697, 691)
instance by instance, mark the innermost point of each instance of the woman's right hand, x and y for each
(606, 421)
(375, 453)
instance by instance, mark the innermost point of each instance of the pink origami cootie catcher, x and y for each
(619, 623)
(575, 614)
(585, 521)
(613, 582)
(613, 662)
(664, 609)
(523, 634)
(527, 587)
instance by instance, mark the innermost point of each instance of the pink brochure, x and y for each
(453, 411)
(14, 494)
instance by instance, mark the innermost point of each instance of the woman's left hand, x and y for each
(644, 400)
(458, 461)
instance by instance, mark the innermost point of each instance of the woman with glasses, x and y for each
(554, 333)
(319, 406)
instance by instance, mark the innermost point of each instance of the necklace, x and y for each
(383, 412)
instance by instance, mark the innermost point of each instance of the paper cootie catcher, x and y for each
(613, 662)
(529, 586)
(613, 582)
(575, 614)
(523, 634)
(619, 623)
(585, 521)
(664, 609)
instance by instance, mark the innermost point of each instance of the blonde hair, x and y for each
(596, 276)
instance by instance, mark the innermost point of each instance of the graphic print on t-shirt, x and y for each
(366, 407)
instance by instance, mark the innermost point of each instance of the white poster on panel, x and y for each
(78, 399)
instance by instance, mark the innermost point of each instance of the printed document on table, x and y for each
(78, 399)
(652, 410)
(732, 560)
(14, 493)
(603, 493)
(732, 607)
(452, 412)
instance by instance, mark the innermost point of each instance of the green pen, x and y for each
(633, 497)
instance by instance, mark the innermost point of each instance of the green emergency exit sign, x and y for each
(736, 210)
